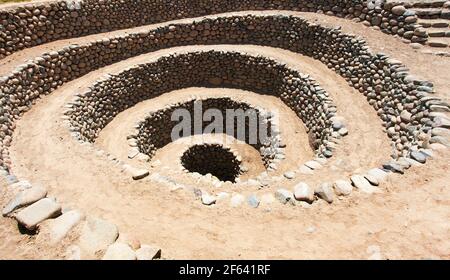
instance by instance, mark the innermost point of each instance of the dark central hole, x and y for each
(214, 159)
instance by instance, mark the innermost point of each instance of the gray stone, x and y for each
(442, 122)
(119, 251)
(97, 235)
(394, 167)
(148, 253)
(325, 192)
(343, 187)
(440, 140)
(362, 184)
(62, 225)
(253, 201)
(11, 179)
(405, 116)
(38, 212)
(398, 10)
(302, 192)
(440, 132)
(25, 198)
(284, 196)
(418, 156)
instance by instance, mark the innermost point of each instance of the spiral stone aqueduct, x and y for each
(90, 171)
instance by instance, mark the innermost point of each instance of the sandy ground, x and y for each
(410, 219)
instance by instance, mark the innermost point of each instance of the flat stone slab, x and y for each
(418, 156)
(305, 170)
(378, 174)
(148, 253)
(137, 173)
(24, 198)
(38, 212)
(343, 187)
(97, 235)
(119, 251)
(363, 185)
(62, 225)
(313, 164)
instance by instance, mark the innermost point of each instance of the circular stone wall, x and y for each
(251, 125)
(96, 108)
(385, 82)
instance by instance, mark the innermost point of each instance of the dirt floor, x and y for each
(409, 219)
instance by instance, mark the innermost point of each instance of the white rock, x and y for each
(208, 199)
(343, 187)
(61, 226)
(119, 251)
(289, 175)
(378, 174)
(313, 164)
(222, 196)
(305, 170)
(284, 196)
(143, 157)
(303, 192)
(147, 253)
(97, 235)
(24, 198)
(38, 212)
(372, 179)
(137, 173)
(133, 153)
(236, 200)
(325, 192)
(321, 160)
(363, 185)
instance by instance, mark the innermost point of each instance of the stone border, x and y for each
(146, 139)
(30, 24)
(35, 212)
(386, 82)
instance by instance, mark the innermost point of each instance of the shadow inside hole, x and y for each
(24, 230)
(212, 159)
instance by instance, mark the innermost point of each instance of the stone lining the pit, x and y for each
(154, 132)
(31, 24)
(215, 159)
(405, 104)
(93, 110)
